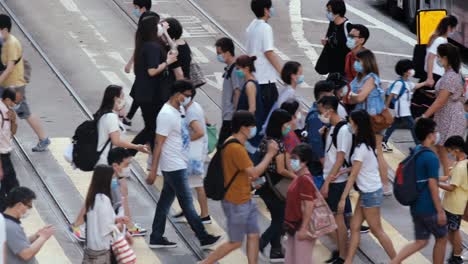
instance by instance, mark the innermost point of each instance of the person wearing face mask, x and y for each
(7, 172)
(250, 98)
(367, 93)
(456, 195)
(238, 206)
(291, 140)
(231, 86)
(278, 170)
(399, 94)
(181, 68)
(21, 249)
(260, 43)
(171, 154)
(332, 58)
(428, 215)
(300, 244)
(448, 109)
(341, 92)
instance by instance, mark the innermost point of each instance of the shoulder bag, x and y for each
(122, 251)
(280, 189)
(322, 220)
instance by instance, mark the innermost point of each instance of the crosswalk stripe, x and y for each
(51, 252)
(81, 180)
(237, 256)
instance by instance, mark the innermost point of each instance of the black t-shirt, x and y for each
(145, 86)
(337, 37)
(184, 58)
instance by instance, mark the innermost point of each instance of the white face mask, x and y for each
(27, 214)
(126, 172)
(120, 104)
(160, 30)
(344, 91)
(186, 101)
(325, 120)
(411, 72)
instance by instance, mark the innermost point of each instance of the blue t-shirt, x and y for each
(427, 166)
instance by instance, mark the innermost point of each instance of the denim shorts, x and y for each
(371, 199)
(425, 225)
(241, 219)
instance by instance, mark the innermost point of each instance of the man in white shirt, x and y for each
(259, 35)
(171, 154)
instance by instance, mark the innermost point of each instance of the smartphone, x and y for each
(259, 182)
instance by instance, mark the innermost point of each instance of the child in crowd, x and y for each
(456, 195)
(399, 94)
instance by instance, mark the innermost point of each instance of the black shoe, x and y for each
(206, 220)
(276, 256)
(364, 229)
(334, 256)
(162, 243)
(210, 241)
(338, 261)
(455, 260)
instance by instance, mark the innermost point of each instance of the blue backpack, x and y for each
(389, 92)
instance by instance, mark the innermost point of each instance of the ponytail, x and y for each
(442, 27)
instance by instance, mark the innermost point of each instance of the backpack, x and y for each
(334, 137)
(400, 94)
(85, 143)
(214, 180)
(405, 186)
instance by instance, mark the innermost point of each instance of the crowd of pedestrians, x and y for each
(303, 163)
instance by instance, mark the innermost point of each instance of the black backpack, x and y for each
(85, 143)
(214, 180)
(405, 186)
(334, 137)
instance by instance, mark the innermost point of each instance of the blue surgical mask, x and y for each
(358, 67)
(466, 115)
(186, 101)
(286, 130)
(300, 79)
(240, 74)
(295, 164)
(253, 132)
(136, 12)
(272, 12)
(114, 183)
(220, 58)
(350, 43)
(330, 16)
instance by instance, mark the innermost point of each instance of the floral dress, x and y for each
(450, 117)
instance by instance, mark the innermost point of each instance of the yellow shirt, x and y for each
(12, 51)
(236, 159)
(455, 201)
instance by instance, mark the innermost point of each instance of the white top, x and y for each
(173, 126)
(5, 130)
(259, 35)
(403, 105)
(342, 111)
(2, 239)
(107, 124)
(368, 179)
(344, 141)
(99, 223)
(199, 147)
(433, 49)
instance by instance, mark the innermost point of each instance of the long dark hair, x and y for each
(442, 27)
(277, 119)
(147, 32)
(108, 100)
(364, 134)
(368, 61)
(100, 183)
(453, 55)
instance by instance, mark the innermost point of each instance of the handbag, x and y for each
(280, 189)
(212, 137)
(322, 220)
(381, 121)
(196, 75)
(122, 251)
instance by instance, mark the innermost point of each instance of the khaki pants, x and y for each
(97, 257)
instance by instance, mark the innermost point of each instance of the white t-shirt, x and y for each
(344, 142)
(99, 223)
(173, 126)
(199, 147)
(368, 179)
(403, 105)
(433, 49)
(107, 124)
(342, 111)
(2, 239)
(259, 35)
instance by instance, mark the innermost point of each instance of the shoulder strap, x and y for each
(346, 29)
(335, 132)
(108, 140)
(229, 71)
(402, 90)
(237, 172)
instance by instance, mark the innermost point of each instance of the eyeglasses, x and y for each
(352, 36)
(29, 205)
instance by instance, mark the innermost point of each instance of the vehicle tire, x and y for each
(393, 9)
(410, 7)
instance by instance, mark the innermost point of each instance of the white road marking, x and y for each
(212, 49)
(217, 82)
(72, 35)
(116, 56)
(199, 56)
(283, 56)
(327, 22)
(70, 5)
(91, 55)
(97, 33)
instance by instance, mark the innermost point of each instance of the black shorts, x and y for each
(425, 225)
(453, 221)
(335, 190)
(269, 93)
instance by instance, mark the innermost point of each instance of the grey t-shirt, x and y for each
(230, 83)
(17, 241)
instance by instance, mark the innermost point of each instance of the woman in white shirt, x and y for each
(100, 217)
(109, 127)
(369, 185)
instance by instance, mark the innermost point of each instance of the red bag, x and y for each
(123, 253)
(322, 220)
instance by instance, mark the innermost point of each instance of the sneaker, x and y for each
(334, 256)
(262, 255)
(137, 230)
(162, 243)
(77, 234)
(387, 190)
(210, 241)
(42, 145)
(206, 220)
(276, 256)
(364, 229)
(386, 148)
(455, 260)
(338, 261)
(180, 218)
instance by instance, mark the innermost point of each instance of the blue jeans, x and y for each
(176, 184)
(408, 121)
